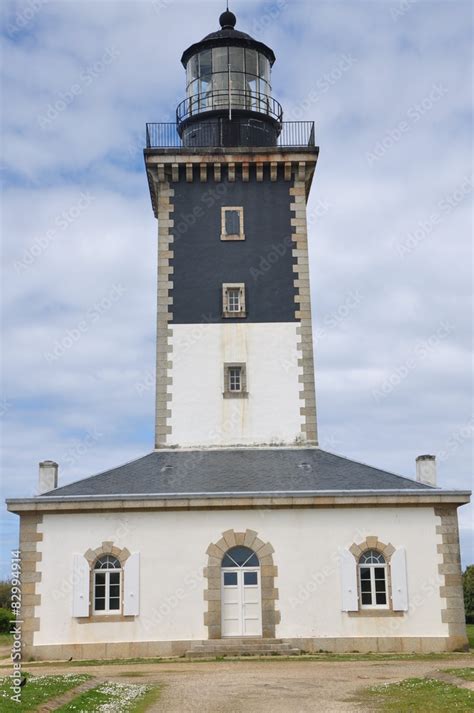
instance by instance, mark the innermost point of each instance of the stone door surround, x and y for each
(212, 578)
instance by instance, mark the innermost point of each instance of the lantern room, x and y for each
(228, 91)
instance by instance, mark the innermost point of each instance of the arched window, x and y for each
(240, 556)
(373, 579)
(107, 585)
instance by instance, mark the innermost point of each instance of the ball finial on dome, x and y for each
(228, 20)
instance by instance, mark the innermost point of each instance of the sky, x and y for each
(388, 84)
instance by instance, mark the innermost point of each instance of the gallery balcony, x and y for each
(220, 132)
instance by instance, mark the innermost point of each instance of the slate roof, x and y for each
(245, 470)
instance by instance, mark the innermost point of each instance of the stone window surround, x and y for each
(224, 234)
(227, 393)
(225, 304)
(373, 543)
(106, 548)
(212, 577)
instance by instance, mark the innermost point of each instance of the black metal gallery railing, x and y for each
(223, 99)
(291, 134)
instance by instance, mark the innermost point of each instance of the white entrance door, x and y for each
(241, 602)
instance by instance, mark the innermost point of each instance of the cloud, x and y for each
(389, 80)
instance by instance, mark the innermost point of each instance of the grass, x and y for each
(150, 697)
(38, 690)
(418, 695)
(466, 673)
(6, 639)
(123, 697)
(320, 656)
(470, 635)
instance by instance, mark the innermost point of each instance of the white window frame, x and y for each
(234, 377)
(228, 393)
(232, 236)
(233, 299)
(107, 572)
(227, 289)
(371, 567)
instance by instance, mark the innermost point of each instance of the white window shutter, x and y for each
(350, 599)
(398, 567)
(81, 586)
(131, 585)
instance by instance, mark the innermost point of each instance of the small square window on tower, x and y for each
(233, 300)
(232, 223)
(235, 381)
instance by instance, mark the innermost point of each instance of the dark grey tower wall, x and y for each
(202, 262)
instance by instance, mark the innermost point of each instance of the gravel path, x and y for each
(261, 687)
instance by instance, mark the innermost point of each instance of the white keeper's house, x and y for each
(237, 533)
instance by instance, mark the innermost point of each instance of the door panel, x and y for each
(231, 604)
(241, 602)
(251, 603)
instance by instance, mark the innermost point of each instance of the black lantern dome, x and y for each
(228, 87)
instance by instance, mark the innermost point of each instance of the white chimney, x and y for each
(426, 470)
(48, 476)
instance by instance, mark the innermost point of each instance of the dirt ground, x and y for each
(261, 686)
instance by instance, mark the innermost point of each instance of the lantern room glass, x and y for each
(208, 74)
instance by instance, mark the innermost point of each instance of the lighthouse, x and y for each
(237, 534)
(229, 183)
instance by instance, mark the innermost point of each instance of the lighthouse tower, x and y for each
(229, 184)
